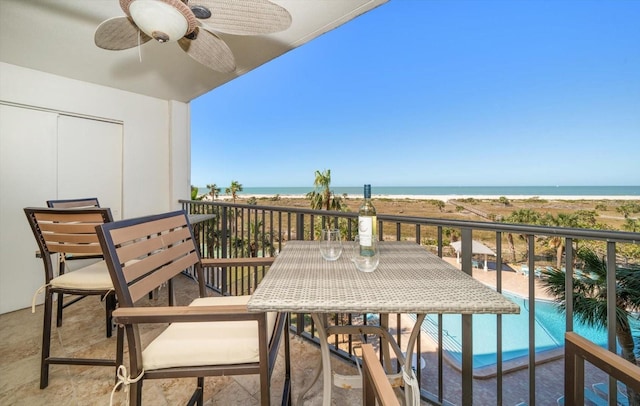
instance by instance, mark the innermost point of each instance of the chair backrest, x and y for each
(143, 253)
(86, 202)
(66, 231)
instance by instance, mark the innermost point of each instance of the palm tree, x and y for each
(522, 216)
(233, 190)
(323, 196)
(214, 190)
(590, 300)
(562, 220)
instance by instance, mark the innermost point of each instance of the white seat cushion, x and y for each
(207, 343)
(92, 277)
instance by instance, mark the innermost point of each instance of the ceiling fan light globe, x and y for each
(158, 20)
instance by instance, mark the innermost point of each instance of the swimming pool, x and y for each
(549, 332)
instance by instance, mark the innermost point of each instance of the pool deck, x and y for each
(513, 282)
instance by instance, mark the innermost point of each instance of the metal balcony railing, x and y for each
(243, 230)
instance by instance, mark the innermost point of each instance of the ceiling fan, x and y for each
(192, 26)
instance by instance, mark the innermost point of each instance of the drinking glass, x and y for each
(366, 258)
(330, 244)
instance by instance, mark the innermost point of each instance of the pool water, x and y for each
(549, 332)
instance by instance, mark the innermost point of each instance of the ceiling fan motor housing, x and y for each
(163, 20)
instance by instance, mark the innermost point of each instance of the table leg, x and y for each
(412, 386)
(384, 343)
(320, 322)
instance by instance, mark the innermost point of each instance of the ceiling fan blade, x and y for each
(244, 17)
(119, 33)
(209, 50)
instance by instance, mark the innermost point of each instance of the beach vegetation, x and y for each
(590, 299)
(534, 199)
(504, 201)
(632, 225)
(194, 192)
(450, 235)
(438, 203)
(628, 209)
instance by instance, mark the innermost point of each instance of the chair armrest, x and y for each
(176, 314)
(375, 384)
(228, 262)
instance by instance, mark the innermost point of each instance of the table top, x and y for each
(409, 279)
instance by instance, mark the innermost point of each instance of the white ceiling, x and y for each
(56, 36)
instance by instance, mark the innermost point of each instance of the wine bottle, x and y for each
(367, 223)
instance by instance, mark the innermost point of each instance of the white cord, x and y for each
(35, 295)
(412, 382)
(139, 50)
(125, 380)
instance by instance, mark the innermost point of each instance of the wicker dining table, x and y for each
(408, 280)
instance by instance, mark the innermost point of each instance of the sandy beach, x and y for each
(463, 207)
(446, 198)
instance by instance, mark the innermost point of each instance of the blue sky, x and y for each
(438, 93)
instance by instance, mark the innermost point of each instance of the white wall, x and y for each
(156, 161)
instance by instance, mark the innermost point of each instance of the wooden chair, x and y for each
(375, 384)
(69, 232)
(73, 262)
(213, 336)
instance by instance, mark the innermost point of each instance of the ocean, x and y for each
(452, 192)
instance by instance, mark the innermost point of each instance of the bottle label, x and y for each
(365, 230)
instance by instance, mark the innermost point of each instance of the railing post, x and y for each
(224, 231)
(611, 312)
(532, 317)
(300, 226)
(568, 284)
(467, 325)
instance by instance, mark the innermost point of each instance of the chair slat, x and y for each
(71, 216)
(74, 203)
(75, 248)
(133, 232)
(141, 288)
(69, 228)
(71, 238)
(145, 246)
(147, 264)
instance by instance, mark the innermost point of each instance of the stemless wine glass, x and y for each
(367, 257)
(330, 244)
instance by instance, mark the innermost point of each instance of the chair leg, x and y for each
(110, 306)
(135, 393)
(119, 349)
(59, 312)
(46, 339)
(287, 366)
(201, 391)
